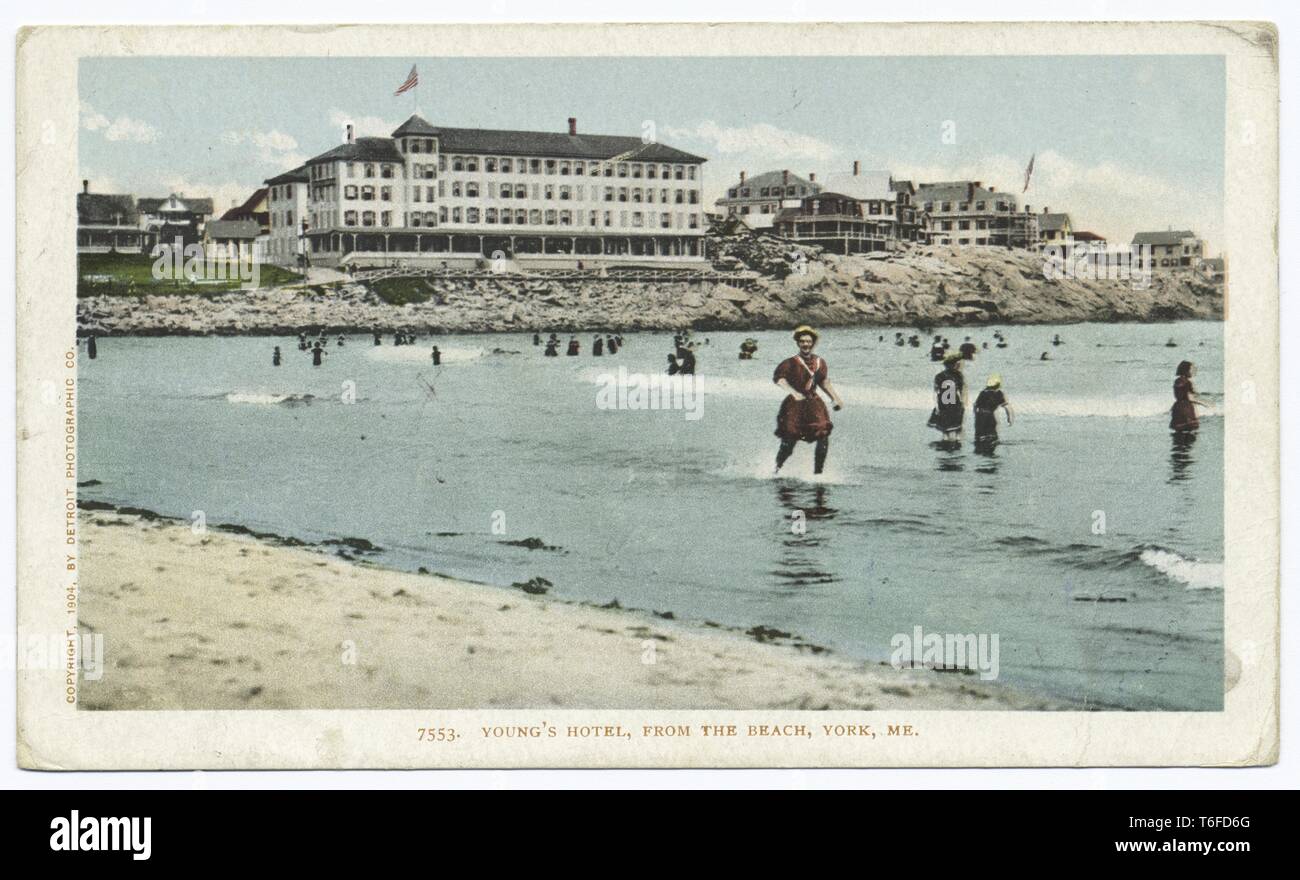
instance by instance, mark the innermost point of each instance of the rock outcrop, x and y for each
(770, 285)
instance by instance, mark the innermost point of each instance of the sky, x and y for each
(1122, 143)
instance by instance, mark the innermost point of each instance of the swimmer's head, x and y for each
(995, 381)
(952, 357)
(1185, 368)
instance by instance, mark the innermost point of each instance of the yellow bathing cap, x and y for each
(805, 329)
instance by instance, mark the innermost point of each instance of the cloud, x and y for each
(124, 128)
(761, 138)
(362, 126)
(271, 147)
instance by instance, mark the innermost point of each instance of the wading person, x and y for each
(275, 357)
(1182, 418)
(437, 356)
(574, 347)
(949, 398)
(803, 415)
(316, 353)
(986, 411)
(598, 347)
(92, 351)
(378, 340)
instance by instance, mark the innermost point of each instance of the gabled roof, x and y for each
(770, 179)
(363, 149)
(1053, 222)
(106, 209)
(181, 203)
(415, 126)
(1168, 237)
(297, 175)
(863, 185)
(1084, 235)
(247, 209)
(237, 229)
(959, 191)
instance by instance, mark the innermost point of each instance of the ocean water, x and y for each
(1087, 498)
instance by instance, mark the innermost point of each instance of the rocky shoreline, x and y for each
(775, 286)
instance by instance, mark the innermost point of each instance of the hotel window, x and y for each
(622, 169)
(415, 196)
(979, 206)
(666, 221)
(490, 165)
(412, 146)
(566, 193)
(367, 193)
(471, 190)
(505, 166)
(471, 164)
(947, 206)
(350, 191)
(505, 217)
(609, 218)
(352, 169)
(535, 166)
(368, 218)
(442, 214)
(679, 172)
(386, 218)
(731, 193)
(666, 172)
(744, 194)
(636, 170)
(550, 166)
(581, 192)
(761, 192)
(622, 194)
(946, 225)
(521, 217)
(442, 163)
(386, 171)
(428, 145)
(490, 215)
(507, 190)
(566, 218)
(535, 217)
(964, 206)
(594, 169)
(349, 218)
(609, 170)
(636, 195)
(680, 197)
(471, 215)
(690, 172)
(548, 192)
(637, 218)
(386, 193)
(695, 197)
(457, 163)
(622, 219)
(650, 172)
(537, 190)
(594, 218)
(695, 220)
(369, 170)
(929, 206)
(550, 217)
(963, 224)
(455, 215)
(609, 193)
(455, 189)
(650, 197)
(521, 191)
(564, 167)
(428, 193)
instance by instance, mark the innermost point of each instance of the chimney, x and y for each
(1028, 210)
(857, 166)
(350, 138)
(1044, 209)
(573, 125)
(812, 176)
(785, 178)
(993, 189)
(742, 177)
(85, 186)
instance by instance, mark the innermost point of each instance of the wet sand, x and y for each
(229, 621)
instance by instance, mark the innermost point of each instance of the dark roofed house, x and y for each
(1170, 250)
(966, 212)
(759, 199)
(254, 208)
(176, 216)
(109, 223)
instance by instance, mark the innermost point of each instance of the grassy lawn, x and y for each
(400, 291)
(132, 275)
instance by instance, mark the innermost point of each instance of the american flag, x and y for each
(411, 82)
(1029, 172)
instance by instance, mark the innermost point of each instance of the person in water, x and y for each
(275, 357)
(92, 350)
(378, 339)
(967, 350)
(986, 411)
(316, 354)
(552, 348)
(950, 398)
(684, 362)
(803, 415)
(1182, 418)
(611, 345)
(437, 357)
(537, 339)
(597, 346)
(574, 346)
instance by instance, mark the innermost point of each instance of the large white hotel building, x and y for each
(430, 195)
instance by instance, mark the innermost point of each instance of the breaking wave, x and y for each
(1192, 574)
(266, 398)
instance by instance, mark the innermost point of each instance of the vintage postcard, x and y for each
(648, 396)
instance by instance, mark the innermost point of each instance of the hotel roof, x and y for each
(1169, 236)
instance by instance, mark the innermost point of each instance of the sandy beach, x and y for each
(228, 621)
